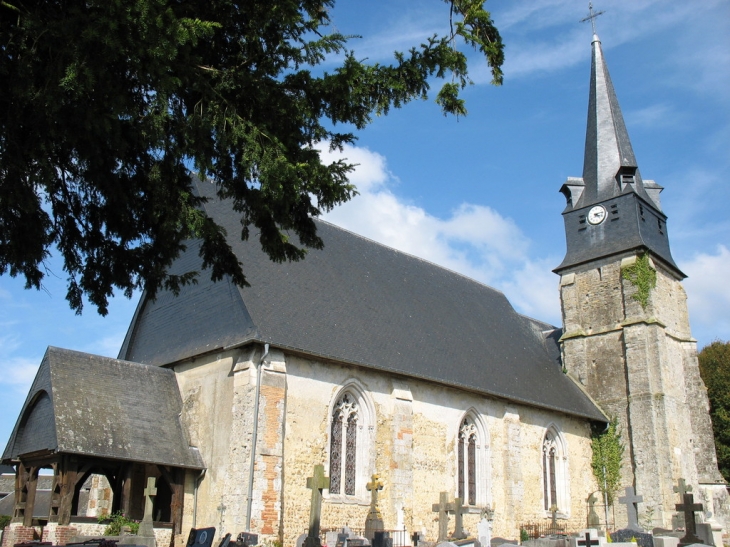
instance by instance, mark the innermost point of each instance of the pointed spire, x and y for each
(609, 167)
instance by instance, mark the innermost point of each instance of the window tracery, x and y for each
(472, 466)
(351, 435)
(555, 472)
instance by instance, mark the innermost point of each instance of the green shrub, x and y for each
(4, 521)
(116, 522)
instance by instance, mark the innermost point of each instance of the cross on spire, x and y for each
(592, 16)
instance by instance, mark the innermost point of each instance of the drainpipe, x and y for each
(195, 496)
(254, 437)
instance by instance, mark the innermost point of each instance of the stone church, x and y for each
(367, 360)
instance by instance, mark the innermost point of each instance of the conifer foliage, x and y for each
(715, 371)
(106, 106)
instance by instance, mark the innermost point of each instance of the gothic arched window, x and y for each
(350, 437)
(473, 462)
(555, 472)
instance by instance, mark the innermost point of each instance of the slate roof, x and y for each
(107, 408)
(41, 508)
(361, 303)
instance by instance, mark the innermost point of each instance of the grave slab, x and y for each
(626, 535)
(666, 541)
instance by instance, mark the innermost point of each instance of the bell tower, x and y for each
(626, 335)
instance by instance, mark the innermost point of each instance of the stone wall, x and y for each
(408, 434)
(416, 427)
(640, 365)
(17, 533)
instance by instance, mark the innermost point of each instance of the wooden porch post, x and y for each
(67, 478)
(175, 477)
(125, 502)
(26, 481)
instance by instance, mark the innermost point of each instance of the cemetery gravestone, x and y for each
(201, 537)
(689, 507)
(442, 508)
(593, 519)
(484, 532)
(626, 535)
(382, 539)
(586, 541)
(631, 500)
(146, 529)
(458, 509)
(317, 482)
(374, 519)
(682, 488)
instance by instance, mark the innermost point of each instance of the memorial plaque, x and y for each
(201, 537)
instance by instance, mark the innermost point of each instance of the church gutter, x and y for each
(254, 438)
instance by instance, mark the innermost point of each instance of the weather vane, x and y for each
(592, 16)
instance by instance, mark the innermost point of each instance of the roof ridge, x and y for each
(419, 258)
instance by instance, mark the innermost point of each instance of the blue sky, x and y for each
(479, 195)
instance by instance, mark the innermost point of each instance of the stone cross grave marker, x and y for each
(630, 500)
(593, 518)
(554, 528)
(458, 509)
(317, 482)
(588, 542)
(146, 528)
(682, 488)
(442, 508)
(374, 520)
(689, 507)
(374, 486)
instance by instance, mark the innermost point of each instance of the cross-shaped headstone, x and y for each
(374, 486)
(630, 500)
(682, 488)
(442, 508)
(458, 509)
(146, 528)
(414, 538)
(149, 493)
(317, 482)
(689, 507)
(588, 542)
(593, 518)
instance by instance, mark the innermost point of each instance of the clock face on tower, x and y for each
(597, 214)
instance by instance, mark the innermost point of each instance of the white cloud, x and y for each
(474, 240)
(533, 290)
(654, 116)
(17, 373)
(708, 292)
